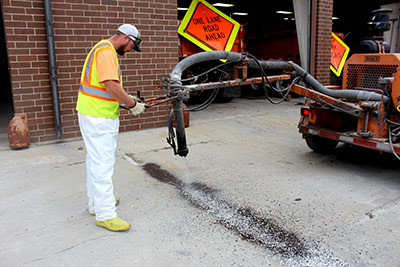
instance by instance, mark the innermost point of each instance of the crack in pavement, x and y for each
(66, 249)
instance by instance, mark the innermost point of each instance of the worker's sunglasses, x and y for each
(137, 40)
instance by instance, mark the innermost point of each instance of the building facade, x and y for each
(77, 26)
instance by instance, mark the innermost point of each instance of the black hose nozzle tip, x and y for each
(183, 152)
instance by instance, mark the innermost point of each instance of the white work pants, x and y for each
(100, 137)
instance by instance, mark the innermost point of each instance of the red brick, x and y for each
(21, 4)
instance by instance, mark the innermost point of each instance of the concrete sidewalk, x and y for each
(247, 153)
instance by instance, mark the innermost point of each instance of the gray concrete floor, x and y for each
(250, 193)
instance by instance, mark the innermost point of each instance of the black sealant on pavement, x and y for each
(250, 226)
(243, 221)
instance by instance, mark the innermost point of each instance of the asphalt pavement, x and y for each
(250, 193)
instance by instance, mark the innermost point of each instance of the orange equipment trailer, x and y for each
(373, 124)
(364, 112)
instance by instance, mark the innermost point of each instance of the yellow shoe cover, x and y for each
(115, 224)
(116, 204)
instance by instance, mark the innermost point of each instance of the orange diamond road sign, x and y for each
(339, 52)
(208, 28)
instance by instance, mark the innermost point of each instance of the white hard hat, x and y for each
(133, 33)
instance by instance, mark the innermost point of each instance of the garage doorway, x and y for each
(6, 103)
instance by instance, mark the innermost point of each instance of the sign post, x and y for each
(208, 28)
(339, 52)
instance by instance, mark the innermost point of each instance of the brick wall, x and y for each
(324, 11)
(78, 25)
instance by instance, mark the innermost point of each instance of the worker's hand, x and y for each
(137, 99)
(138, 108)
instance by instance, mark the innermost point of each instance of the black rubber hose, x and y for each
(360, 95)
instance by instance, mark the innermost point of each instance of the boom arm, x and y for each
(178, 92)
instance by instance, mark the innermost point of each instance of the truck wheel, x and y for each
(226, 95)
(321, 145)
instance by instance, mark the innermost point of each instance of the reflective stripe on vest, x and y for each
(96, 93)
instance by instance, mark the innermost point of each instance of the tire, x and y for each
(226, 95)
(321, 145)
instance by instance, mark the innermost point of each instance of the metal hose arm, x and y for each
(178, 92)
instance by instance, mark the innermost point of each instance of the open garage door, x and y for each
(6, 103)
(269, 26)
(268, 31)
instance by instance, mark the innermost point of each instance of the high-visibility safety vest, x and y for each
(93, 98)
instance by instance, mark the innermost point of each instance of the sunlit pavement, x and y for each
(250, 193)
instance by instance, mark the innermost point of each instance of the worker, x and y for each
(99, 98)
